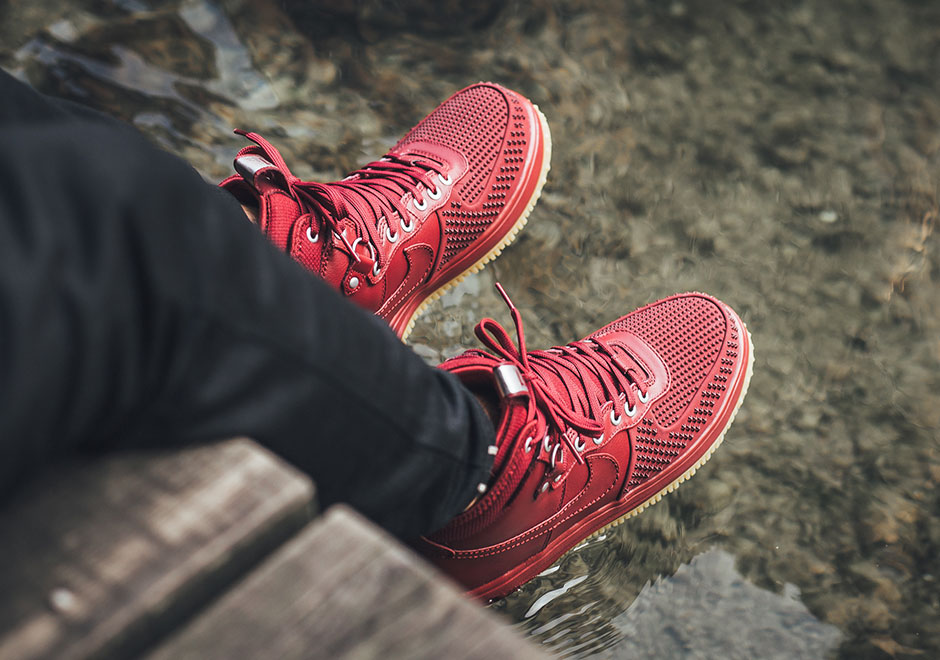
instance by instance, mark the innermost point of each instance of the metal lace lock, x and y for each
(250, 165)
(509, 381)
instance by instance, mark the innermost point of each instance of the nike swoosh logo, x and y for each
(420, 262)
(598, 488)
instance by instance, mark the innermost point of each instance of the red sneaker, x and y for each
(395, 234)
(591, 433)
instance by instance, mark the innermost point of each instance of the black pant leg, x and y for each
(138, 308)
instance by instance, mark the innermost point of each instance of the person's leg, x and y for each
(138, 308)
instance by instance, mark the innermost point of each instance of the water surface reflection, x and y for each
(707, 609)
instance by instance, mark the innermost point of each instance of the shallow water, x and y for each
(782, 156)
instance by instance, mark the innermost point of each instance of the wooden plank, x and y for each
(102, 559)
(344, 589)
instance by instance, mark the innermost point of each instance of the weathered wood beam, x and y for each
(102, 559)
(344, 589)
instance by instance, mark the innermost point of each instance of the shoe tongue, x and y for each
(278, 216)
(493, 381)
(512, 419)
(278, 211)
(514, 403)
(501, 392)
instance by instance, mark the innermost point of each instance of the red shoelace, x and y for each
(569, 388)
(370, 197)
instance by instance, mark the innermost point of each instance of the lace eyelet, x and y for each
(313, 238)
(579, 445)
(389, 236)
(643, 396)
(528, 444)
(557, 451)
(353, 282)
(434, 195)
(547, 443)
(631, 412)
(375, 269)
(422, 205)
(544, 487)
(615, 419)
(407, 228)
(599, 440)
(445, 182)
